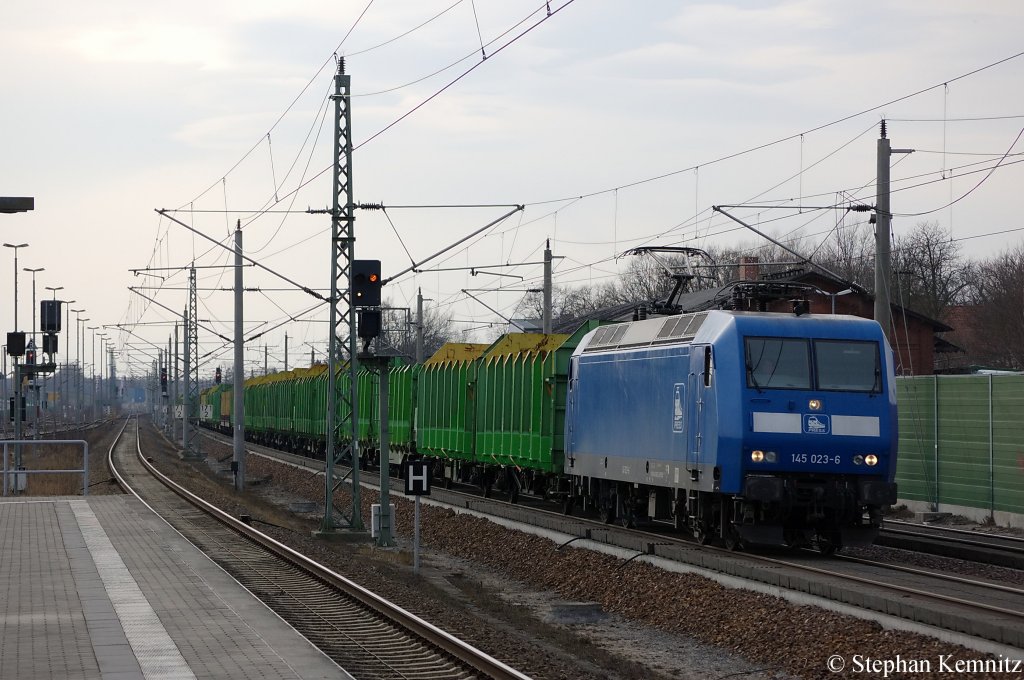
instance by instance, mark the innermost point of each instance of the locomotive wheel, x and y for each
(607, 512)
(513, 485)
(828, 544)
(568, 504)
(732, 540)
(703, 535)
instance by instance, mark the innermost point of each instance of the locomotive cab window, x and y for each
(778, 363)
(848, 365)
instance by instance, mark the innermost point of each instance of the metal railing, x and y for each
(19, 477)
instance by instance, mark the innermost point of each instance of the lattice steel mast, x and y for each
(342, 442)
(191, 433)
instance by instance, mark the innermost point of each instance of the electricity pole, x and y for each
(883, 238)
(546, 327)
(419, 326)
(238, 440)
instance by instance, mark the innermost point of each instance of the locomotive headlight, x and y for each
(757, 456)
(858, 459)
(769, 457)
(814, 404)
(871, 459)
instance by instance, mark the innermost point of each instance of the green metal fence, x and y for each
(962, 441)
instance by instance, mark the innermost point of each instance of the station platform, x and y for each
(101, 587)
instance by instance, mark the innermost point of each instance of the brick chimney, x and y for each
(750, 270)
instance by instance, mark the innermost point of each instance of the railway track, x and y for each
(366, 635)
(985, 548)
(961, 605)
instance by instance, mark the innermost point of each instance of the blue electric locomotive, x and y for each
(743, 426)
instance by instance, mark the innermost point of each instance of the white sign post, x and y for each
(417, 483)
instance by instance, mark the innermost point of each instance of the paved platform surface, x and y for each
(103, 588)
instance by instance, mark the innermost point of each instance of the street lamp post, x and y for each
(103, 353)
(33, 271)
(3, 356)
(78, 319)
(92, 377)
(80, 333)
(66, 394)
(20, 245)
(17, 372)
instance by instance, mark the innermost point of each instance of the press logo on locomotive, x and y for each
(815, 423)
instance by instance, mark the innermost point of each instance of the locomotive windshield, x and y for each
(778, 363)
(785, 363)
(847, 365)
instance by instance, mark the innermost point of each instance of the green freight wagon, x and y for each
(520, 421)
(254, 401)
(310, 408)
(368, 414)
(278, 390)
(400, 411)
(402, 387)
(446, 407)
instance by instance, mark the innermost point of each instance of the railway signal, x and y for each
(369, 323)
(366, 283)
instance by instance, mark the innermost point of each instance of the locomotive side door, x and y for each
(696, 382)
(570, 409)
(693, 422)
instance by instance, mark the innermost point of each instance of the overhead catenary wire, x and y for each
(501, 48)
(787, 138)
(521, 216)
(972, 189)
(294, 101)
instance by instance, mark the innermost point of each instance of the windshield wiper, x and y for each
(753, 380)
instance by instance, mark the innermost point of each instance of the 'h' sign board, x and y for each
(417, 478)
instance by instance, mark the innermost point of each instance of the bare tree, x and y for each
(998, 325)
(929, 272)
(569, 303)
(398, 330)
(644, 281)
(851, 254)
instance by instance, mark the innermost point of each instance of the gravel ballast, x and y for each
(515, 596)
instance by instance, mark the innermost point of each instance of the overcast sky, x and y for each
(113, 109)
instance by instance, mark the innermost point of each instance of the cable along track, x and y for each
(366, 635)
(975, 546)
